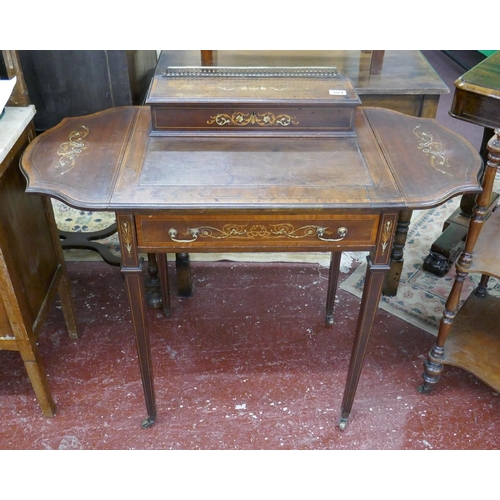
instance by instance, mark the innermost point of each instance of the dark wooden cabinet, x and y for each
(64, 83)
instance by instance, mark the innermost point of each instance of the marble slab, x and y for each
(12, 124)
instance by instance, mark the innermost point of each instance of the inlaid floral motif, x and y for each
(243, 119)
(126, 235)
(386, 235)
(432, 148)
(257, 231)
(68, 151)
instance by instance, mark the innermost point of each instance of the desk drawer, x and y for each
(256, 232)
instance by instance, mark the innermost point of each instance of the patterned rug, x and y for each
(79, 221)
(421, 295)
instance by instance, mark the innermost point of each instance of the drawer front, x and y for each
(256, 120)
(256, 233)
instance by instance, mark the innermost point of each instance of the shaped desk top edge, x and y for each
(81, 161)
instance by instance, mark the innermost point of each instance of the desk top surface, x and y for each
(108, 161)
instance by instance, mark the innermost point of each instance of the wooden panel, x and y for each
(64, 83)
(422, 155)
(265, 232)
(26, 240)
(476, 108)
(257, 120)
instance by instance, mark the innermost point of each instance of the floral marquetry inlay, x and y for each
(126, 234)
(432, 148)
(386, 235)
(243, 119)
(258, 231)
(68, 151)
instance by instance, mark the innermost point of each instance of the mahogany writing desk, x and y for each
(207, 194)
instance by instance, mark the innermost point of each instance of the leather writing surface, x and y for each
(275, 172)
(287, 164)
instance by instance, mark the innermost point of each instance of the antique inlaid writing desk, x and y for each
(211, 194)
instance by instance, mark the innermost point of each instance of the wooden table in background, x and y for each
(476, 100)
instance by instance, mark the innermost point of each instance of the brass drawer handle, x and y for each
(341, 231)
(193, 232)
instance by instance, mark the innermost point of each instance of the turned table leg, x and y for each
(391, 284)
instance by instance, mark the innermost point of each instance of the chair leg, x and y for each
(68, 307)
(183, 271)
(482, 287)
(37, 376)
(433, 365)
(332, 286)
